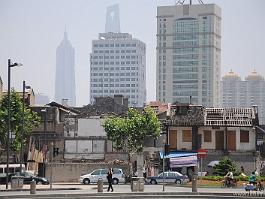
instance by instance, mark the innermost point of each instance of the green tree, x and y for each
(131, 132)
(31, 120)
(224, 166)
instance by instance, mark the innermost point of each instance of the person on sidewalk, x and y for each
(109, 178)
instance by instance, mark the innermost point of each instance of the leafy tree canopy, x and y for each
(132, 130)
(31, 120)
(223, 167)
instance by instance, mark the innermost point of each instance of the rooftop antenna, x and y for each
(181, 2)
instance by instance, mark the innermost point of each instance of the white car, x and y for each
(169, 177)
(117, 177)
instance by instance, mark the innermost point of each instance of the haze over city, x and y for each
(32, 30)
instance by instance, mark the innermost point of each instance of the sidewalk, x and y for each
(67, 190)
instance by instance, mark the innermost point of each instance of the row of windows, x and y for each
(116, 57)
(186, 50)
(114, 91)
(185, 63)
(187, 136)
(185, 93)
(114, 68)
(114, 63)
(183, 37)
(114, 74)
(115, 45)
(114, 51)
(186, 56)
(189, 86)
(114, 85)
(185, 69)
(185, 44)
(114, 80)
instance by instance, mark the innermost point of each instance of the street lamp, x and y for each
(44, 145)
(10, 65)
(23, 122)
(164, 151)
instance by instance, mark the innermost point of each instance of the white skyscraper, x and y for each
(65, 72)
(118, 66)
(118, 63)
(189, 54)
(238, 93)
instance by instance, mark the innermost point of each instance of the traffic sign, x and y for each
(201, 153)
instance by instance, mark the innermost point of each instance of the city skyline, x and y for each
(30, 33)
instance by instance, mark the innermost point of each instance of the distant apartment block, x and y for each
(65, 72)
(244, 93)
(188, 53)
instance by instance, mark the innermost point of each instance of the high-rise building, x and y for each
(65, 72)
(238, 93)
(118, 66)
(188, 54)
(118, 63)
(232, 94)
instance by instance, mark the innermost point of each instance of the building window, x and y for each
(244, 136)
(186, 136)
(207, 136)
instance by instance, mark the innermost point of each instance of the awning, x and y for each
(177, 154)
(189, 161)
(181, 159)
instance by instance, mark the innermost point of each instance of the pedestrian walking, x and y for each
(109, 178)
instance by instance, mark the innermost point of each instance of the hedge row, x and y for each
(240, 178)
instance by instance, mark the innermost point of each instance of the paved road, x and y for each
(75, 190)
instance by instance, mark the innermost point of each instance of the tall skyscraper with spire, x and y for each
(65, 72)
(113, 19)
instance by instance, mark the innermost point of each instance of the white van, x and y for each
(13, 168)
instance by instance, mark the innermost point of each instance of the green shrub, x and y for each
(223, 167)
(213, 178)
(239, 178)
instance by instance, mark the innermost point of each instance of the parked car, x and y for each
(28, 177)
(204, 173)
(117, 177)
(213, 163)
(170, 177)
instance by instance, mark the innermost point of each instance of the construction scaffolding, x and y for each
(230, 116)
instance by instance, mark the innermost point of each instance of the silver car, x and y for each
(170, 177)
(117, 177)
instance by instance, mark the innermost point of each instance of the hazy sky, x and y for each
(31, 30)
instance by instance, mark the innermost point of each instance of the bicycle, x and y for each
(229, 184)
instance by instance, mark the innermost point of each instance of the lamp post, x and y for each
(23, 122)
(164, 144)
(44, 145)
(10, 65)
